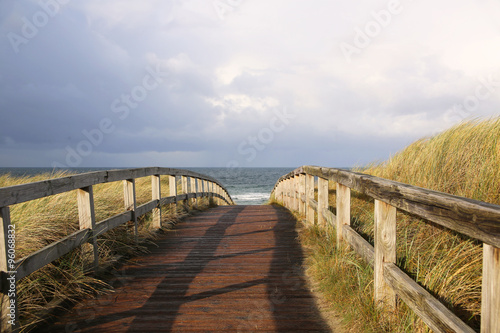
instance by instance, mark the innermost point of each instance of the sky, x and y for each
(239, 83)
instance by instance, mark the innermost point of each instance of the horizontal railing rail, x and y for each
(15, 269)
(476, 219)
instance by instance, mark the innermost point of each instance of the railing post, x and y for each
(309, 197)
(9, 316)
(216, 191)
(297, 192)
(184, 184)
(343, 209)
(211, 192)
(86, 213)
(130, 203)
(385, 252)
(282, 192)
(322, 200)
(285, 193)
(156, 195)
(302, 189)
(172, 189)
(295, 184)
(289, 189)
(199, 189)
(490, 293)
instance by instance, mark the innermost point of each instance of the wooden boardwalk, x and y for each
(232, 268)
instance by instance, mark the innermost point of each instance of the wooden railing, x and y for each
(476, 219)
(13, 270)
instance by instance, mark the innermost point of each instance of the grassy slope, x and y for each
(464, 161)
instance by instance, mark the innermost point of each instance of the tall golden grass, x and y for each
(43, 221)
(464, 161)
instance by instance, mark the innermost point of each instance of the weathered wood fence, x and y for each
(476, 219)
(13, 269)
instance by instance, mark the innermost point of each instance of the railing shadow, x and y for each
(287, 304)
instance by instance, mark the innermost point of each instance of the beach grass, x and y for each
(43, 221)
(463, 161)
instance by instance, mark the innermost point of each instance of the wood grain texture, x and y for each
(156, 196)
(51, 252)
(86, 213)
(385, 252)
(364, 249)
(490, 302)
(322, 200)
(473, 218)
(302, 192)
(309, 197)
(429, 309)
(25, 192)
(131, 203)
(330, 218)
(343, 209)
(227, 269)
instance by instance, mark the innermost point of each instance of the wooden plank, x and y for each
(473, 218)
(385, 252)
(172, 189)
(7, 321)
(364, 249)
(205, 187)
(329, 217)
(146, 208)
(282, 193)
(199, 190)
(172, 186)
(210, 190)
(429, 309)
(314, 204)
(309, 197)
(112, 222)
(288, 193)
(131, 203)
(31, 191)
(343, 210)
(295, 182)
(302, 192)
(218, 272)
(86, 213)
(156, 196)
(184, 184)
(51, 252)
(170, 200)
(25, 192)
(490, 302)
(322, 200)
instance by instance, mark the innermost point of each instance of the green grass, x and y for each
(464, 161)
(43, 221)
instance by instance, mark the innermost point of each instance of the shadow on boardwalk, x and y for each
(233, 268)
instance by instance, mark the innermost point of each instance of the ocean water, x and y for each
(247, 186)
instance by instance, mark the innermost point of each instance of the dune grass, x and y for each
(464, 161)
(46, 220)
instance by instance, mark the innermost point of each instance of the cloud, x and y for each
(225, 74)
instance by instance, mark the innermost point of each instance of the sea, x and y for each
(246, 186)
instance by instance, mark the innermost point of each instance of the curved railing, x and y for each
(201, 186)
(476, 219)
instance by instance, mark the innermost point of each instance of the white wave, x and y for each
(257, 197)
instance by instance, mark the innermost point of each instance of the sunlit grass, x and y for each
(464, 161)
